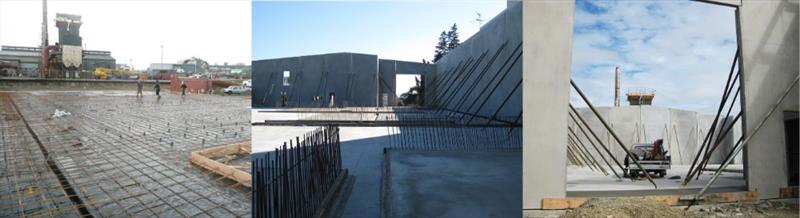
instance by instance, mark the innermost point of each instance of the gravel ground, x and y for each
(772, 208)
(632, 207)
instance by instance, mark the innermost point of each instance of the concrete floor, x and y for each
(454, 184)
(582, 182)
(362, 154)
(123, 156)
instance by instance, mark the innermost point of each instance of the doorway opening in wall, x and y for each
(408, 90)
(676, 65)
(791, 127)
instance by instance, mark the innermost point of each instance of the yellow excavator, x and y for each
(101, 73)
(104, 73)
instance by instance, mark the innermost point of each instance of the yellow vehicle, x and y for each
(101, 73)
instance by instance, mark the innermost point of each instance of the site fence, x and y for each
(292, 180)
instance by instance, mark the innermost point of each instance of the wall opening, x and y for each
(286, 76)
(407, 89)
(792, 127)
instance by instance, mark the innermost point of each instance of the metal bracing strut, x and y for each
(611, 131)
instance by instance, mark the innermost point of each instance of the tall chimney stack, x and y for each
(616, 87)
(43, 65)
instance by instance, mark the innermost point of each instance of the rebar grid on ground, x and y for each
(123, 155)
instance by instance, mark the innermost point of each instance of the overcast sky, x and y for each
(216, 31)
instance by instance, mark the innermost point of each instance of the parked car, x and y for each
(234, 90)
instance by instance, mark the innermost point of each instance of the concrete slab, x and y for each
(362, 155)
(582, 182)
(123, 156)
(454, 184)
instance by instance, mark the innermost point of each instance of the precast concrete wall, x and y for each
(768, 39)
(388, 70)
(485, 70)
(352, 77)
(682, 131)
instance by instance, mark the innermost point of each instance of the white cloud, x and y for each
(683, 50)
(217, 31)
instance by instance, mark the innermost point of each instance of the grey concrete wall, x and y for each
(455, 90)
(351, 76)
(547, 47)
(768, 38)
(388, 70)
(683, 131)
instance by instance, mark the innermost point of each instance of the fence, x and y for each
(292, 180)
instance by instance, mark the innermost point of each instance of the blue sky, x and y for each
(399, 30)
(682, 49)
(402, 30)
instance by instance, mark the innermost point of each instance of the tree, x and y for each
(448, 41)
(441, 47)
(452, 38)
(200, 64)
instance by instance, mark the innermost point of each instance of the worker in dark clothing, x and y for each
(284, 99)
(158, 89)
(139, 87)
(183, 87)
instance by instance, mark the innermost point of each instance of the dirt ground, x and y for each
(627, 207)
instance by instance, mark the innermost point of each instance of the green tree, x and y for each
(452, 38)
(200, 64)
(441, 47)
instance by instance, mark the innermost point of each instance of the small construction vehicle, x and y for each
(653, 158)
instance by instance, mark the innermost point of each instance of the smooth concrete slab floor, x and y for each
(362, 156)
(122, 155)
(582, 182)
(454, 184)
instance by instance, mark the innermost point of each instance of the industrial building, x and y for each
(64, 59)
(163, 70)
(503, 97)
(26, 61)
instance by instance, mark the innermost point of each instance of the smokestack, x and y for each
(616, 87)
(43, 65)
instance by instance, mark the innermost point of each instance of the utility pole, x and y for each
(162, 54)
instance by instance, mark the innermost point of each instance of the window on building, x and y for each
(286, 75)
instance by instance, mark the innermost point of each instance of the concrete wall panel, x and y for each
(678, 128)
(547, 48)
(768, 37)
(352, 77)
(504, 28)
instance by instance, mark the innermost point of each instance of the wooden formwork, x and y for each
(215, 159)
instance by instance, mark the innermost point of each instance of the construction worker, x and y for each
(657, 150)
(183, 87)
(157, 88)
(139, 87)
(284, 99)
